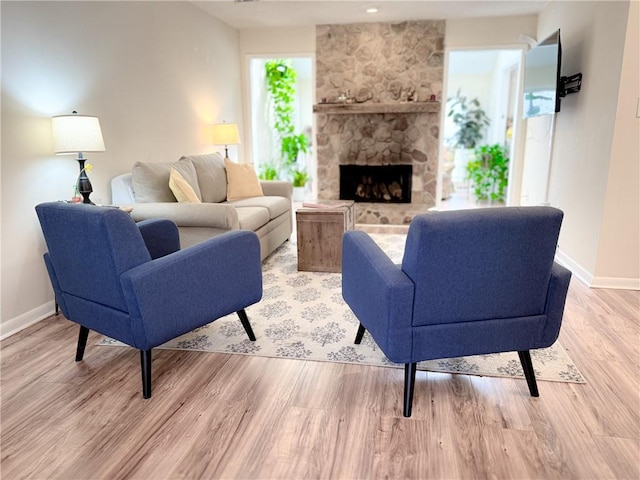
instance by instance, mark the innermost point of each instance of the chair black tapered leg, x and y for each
(529, 374)
(82, 342)
(409, 383)
(145, 363)
(245, 323)
(360, 334)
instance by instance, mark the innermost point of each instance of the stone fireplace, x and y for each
(376, 83)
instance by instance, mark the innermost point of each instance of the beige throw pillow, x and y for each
(181, 189)
(242, 180)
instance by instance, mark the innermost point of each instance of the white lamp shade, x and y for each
(226, 134)
(76, 133)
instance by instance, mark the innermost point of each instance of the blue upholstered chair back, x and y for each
(88, 267)
(481, 264)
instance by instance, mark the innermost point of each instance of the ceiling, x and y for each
(274, 13)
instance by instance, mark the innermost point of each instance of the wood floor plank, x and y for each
(296, 451)
(265, 406)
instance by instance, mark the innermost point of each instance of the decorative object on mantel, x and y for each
(78, 134)
(225, 134)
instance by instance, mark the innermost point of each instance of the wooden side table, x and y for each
(320, 235)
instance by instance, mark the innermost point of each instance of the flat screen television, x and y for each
(543, 84)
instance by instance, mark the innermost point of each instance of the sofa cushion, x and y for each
(212, 176)
(275, 205)
(242, 180)
(151, 180)
(252, 218)
(181, 189)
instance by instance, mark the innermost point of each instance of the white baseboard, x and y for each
(576, 269)
(591, 281)
(616, 283)
(25, 320)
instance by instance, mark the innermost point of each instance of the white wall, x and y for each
(488, 32)
(157, 74)
(618, 256)
(594, 163)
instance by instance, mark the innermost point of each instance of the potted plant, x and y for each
(470, 121)
(299, 180)
(488, 172)
(268, 172)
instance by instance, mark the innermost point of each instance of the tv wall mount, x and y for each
(570, 84)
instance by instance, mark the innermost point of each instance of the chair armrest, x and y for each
(379, 293)
(160, 236)
(554, 308)
(177, 293)
(277, 188)
(213, 215)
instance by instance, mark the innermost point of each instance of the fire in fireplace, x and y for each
(376, 183)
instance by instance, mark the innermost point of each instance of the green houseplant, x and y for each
(488, 172)
(268, 172)
(281, 78)
(470, 121)
(300, 178)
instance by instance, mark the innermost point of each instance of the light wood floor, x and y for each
(232, 416)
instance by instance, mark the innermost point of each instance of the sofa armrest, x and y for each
(379, 293)
(122, 190)
(174, 294)
(277, 188)
(212, 215)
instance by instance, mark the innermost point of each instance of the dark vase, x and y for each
(84, 184)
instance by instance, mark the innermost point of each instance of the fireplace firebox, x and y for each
(376, 183)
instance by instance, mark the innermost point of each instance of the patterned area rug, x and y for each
(302, 315)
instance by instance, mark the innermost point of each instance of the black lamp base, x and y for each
(84, 184)
(85, 198)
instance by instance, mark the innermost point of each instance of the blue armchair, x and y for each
(134, 284)
(471, 282)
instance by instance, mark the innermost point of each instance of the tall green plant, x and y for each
(470, 120)
(281, 80)
(489, 172)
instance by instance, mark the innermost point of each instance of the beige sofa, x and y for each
(147, 190)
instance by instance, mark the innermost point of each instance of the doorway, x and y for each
(492, 77)
(265, 141)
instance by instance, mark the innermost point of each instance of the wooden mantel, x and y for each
(364, 108)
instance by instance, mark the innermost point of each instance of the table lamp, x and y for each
(77, 134)
(226, 134)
